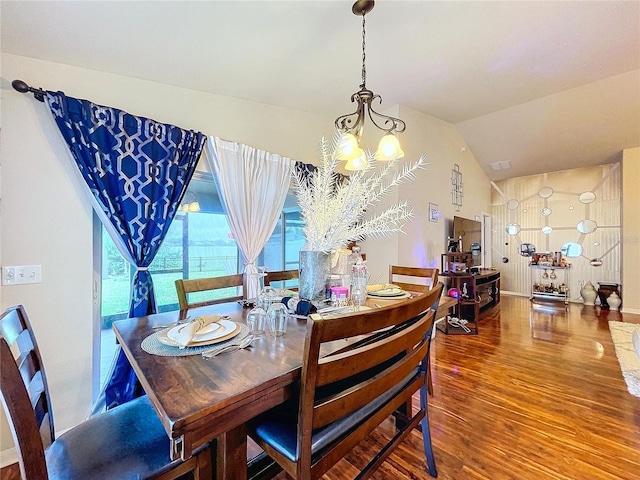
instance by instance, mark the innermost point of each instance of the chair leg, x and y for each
(429, 384)
(426, 434)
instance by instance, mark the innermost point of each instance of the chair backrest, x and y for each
(24, 392)
(282, 276)
(185, 287)
(416, 272)
(385, 369)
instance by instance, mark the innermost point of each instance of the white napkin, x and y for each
(635, 337)
(184, 335)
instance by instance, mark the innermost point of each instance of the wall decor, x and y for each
(456, 187)
(576, 212)
(434, 214)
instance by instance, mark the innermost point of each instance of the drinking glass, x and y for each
(256, 319)
(277, 316)
(359, 295)
(257, 280)
(267, 297)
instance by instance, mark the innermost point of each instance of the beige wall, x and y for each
(631, 230)
(424, 240)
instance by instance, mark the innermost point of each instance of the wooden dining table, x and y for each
(199, 400)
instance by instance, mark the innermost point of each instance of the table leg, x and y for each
(231, 454)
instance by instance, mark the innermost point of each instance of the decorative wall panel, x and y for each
(549, 210)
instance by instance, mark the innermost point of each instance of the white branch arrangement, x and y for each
(333, 210)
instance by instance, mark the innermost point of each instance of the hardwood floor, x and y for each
(538, 394)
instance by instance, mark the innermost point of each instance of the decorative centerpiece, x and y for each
(333, 208)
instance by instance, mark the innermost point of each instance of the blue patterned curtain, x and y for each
(137, 170)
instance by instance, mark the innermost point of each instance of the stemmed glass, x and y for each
(257, 316)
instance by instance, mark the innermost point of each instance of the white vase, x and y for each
(588, 294)
(315, 268)
(614, 301)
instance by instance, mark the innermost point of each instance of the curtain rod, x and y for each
(22, 87)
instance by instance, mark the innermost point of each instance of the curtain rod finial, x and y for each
(22, 87)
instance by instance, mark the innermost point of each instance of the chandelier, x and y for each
(352, 124)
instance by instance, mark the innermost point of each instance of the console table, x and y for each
(483, 296)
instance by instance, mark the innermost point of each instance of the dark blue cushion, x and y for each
(124, 443)
(278, 427)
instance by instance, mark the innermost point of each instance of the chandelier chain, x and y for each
(364, 55)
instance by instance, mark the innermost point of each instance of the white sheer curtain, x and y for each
(253, 186)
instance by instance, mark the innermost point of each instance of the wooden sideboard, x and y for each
(482, 297)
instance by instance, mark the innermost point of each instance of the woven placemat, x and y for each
(152, 345)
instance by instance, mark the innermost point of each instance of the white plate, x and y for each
(226, 330)
(389, 292)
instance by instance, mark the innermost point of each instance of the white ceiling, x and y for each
(543, 85)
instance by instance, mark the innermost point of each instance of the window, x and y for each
(199, 244)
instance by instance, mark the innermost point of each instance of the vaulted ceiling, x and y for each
(544, 86)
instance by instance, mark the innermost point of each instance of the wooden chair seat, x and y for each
(194, 285)
(127, 442)
(344, 396)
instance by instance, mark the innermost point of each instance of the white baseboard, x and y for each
(514, 294)
(8, 457)
(635, 311)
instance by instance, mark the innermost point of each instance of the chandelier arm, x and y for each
(397, 125)
(347, 123)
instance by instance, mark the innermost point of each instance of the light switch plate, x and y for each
(21, 274)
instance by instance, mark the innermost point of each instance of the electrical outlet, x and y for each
(21, 275)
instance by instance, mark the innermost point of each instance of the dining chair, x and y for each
(429, 279)
(423, 278)
(282, 276)
(196, 285)
(127, 442)
(344, 396)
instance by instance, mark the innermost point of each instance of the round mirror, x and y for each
(512, 204)
(527, 249)
(587, 226)
(587, 197)
(571, 250)
(545, 211)
(513, 229)
(545, 192)
(547, 230)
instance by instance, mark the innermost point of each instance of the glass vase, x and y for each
(315, 268)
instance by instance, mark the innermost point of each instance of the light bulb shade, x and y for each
(389, 148)
(348, 149)
(358, 163)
